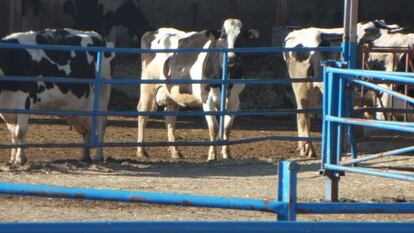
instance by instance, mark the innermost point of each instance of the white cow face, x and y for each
(231, 36)
(230, 31)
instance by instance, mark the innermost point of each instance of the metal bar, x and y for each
(163, 143)
(352, 53)
(169, 81)
(340, 130)
(384, 49)
(223, 100)
(396, 126)
(394, 76)
(355, 208)
(204, 227)
(96, 98)
(324, 121)
(181, 50)
(280, 112)
(395, 110)
(383, 89)
(391, 175)
(141, 197)
(287, 177)
(400, 151)
(332, 179)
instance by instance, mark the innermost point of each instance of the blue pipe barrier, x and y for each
(181, 50)
(164, 143)
(333, 119)
(365, 171)
(400, 151)
(201, 227)
(385, 90)
(279, 112)
(354, 208)
(372, 123)
(137, 80)
(207, 227)
(142, 197)
(355, 74)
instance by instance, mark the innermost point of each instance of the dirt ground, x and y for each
(252, 174)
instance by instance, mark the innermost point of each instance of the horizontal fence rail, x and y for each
(158, 81)
(210, 227)
(181, 50)
(143, 197)
(164, 143)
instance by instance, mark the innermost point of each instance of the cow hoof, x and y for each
(142, 154)
(312, 155)
(98, 159)
(86, 159)
(211, 158)
(176, 155)
(20, 162)
(227, 157)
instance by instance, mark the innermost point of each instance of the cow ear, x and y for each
(251, 34)
(213, 35)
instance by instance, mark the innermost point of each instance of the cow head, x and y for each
(370, 31)
(232, 36)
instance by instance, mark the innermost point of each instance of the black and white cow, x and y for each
(391, 36)
(308, 65)
(195, 66)
(119, 21)
(49, 95)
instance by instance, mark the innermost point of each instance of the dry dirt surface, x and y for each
(251, 174)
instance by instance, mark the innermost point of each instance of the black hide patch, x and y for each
(18, 62)
(89, 15)
(180, 64)
(301, 56)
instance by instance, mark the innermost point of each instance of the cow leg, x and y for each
(85, 153)
(12, 129)
(212, 129)
(146, 103)
(18, 134)
(233, 104)
(170, 124)
(303, 120)
(101, 121)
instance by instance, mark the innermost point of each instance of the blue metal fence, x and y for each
(285, 206)
(98, 82)
(337, 108)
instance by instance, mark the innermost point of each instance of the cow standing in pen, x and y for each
(195, 66)
(391, 36)
(37, 95)
(308, 65)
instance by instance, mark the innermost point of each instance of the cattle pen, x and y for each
(336, 117)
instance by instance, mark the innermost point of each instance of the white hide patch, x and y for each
(232, 27)
(166, 38)
(196, 71)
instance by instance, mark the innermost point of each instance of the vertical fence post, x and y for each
(287, 174)
(331, 137)
(98, 78)
(224, 78)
